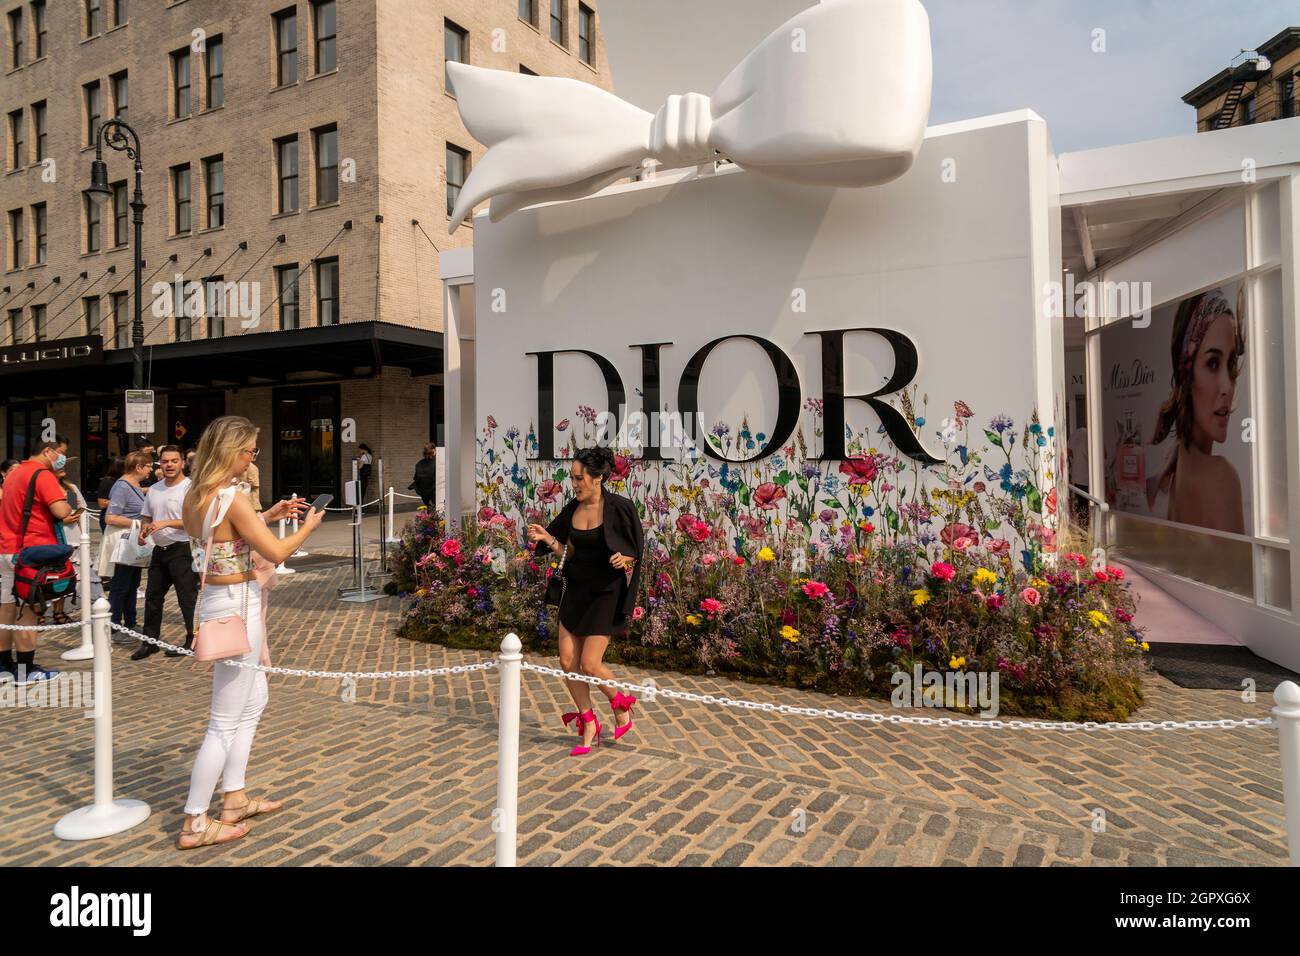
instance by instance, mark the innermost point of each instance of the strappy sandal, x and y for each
(61, 618)
(252, 807)
(212, 835)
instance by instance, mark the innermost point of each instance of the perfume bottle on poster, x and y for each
(1131, 464)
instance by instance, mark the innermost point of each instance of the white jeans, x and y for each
(238, 698)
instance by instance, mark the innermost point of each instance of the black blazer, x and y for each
(621, 526)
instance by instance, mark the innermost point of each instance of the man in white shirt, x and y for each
(172, 563)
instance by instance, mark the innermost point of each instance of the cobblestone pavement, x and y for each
(406, 773)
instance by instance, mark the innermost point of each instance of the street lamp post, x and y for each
(121, 137)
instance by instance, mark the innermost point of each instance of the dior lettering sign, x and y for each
(83, 350)
(789, 394)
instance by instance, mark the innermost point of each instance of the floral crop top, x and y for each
(228, 557)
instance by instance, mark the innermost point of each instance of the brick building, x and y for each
(1257, 87)
(300, 161)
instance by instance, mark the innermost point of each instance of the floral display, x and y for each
(830, 575)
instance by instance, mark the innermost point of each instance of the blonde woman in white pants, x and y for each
(213, 506)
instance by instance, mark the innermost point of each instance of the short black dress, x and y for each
(594, 590)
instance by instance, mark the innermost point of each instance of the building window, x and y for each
(327, 292)
(1248, 110)
(16, 38)
(17, 155)
(119, 214)
(181, 83)
(94, 100)
(325, 28)
(286, 162)
(94, 18)
(38, 322)
(528, 11)
(557, 21)
(38, 24)
(40, 131)
(327, 164)
(16, 326)
(180, 309)
(586, 32)
(92, 226)
(1286, 97)
(214, 305)
(457, 170)
(286, 47)
(90, 309)
(121, 324)
(214, 63)
(16, 236)
(121, 11)
(214, 181)
(286, 288)
(39, 226)
(181, 199)
(117, 85)
(455, 49)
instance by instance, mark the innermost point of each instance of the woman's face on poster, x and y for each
(1213, 386)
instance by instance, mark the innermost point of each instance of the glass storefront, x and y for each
(305, 429)
(24, 428)
(103, 438)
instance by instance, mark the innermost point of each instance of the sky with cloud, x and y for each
(991, 56)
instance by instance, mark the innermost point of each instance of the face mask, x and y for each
(60, 462)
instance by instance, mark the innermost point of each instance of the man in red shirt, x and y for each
(18, 648)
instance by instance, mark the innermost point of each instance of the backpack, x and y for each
(42, 572)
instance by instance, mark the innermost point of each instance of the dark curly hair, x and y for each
(597, 462)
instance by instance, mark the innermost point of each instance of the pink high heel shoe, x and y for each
(622, 701)
(583, 719)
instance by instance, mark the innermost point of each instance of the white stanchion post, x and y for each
(283, 568)
(1287, 713)
(300, 553)
(507, 810)
(392, 535)
(105, 816)
(87, 649)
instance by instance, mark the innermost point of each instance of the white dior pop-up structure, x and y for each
(918, 278)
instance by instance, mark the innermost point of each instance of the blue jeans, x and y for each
(121, 594)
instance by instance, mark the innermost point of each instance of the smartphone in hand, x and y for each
(321, 502)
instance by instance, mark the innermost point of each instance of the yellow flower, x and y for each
(693, 619)
(871, 451)
(766, 554)
(421, 593)
(1129, 640)
(956, 663)
(1146, 646)
(790, 634)
(920, 597)
(985, 576)
(1039, 583)
(1098, 619)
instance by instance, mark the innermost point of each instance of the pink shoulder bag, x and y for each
(222, 637)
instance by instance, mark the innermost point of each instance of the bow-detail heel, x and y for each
(570, 717)
(622, 701)
(583, 719)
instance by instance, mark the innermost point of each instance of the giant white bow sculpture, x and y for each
(839, 95)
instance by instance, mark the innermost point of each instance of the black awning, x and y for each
(297, 356)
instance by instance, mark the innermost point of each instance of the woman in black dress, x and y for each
(602, 534)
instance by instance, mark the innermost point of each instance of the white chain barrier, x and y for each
(39, 627)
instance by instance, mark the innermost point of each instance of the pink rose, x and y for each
(638, 612)
(450, 548)
(699, 531)
(768, 494)
(622, 467)
(711, 606)
(815, 590)
(943, 570)
(959, 536)
(1031, 596)
(709, 560)
(999, 546)
(1116, 573)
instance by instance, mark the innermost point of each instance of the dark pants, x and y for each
(171, 566)
(121, 594)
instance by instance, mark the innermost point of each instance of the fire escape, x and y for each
(1252, 67)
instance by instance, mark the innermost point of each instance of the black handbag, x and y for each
(556, 584)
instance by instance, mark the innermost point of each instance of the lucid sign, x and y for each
(789, 393)
(39, 356)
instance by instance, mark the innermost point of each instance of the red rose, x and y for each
(861, 471)
(622, 467)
